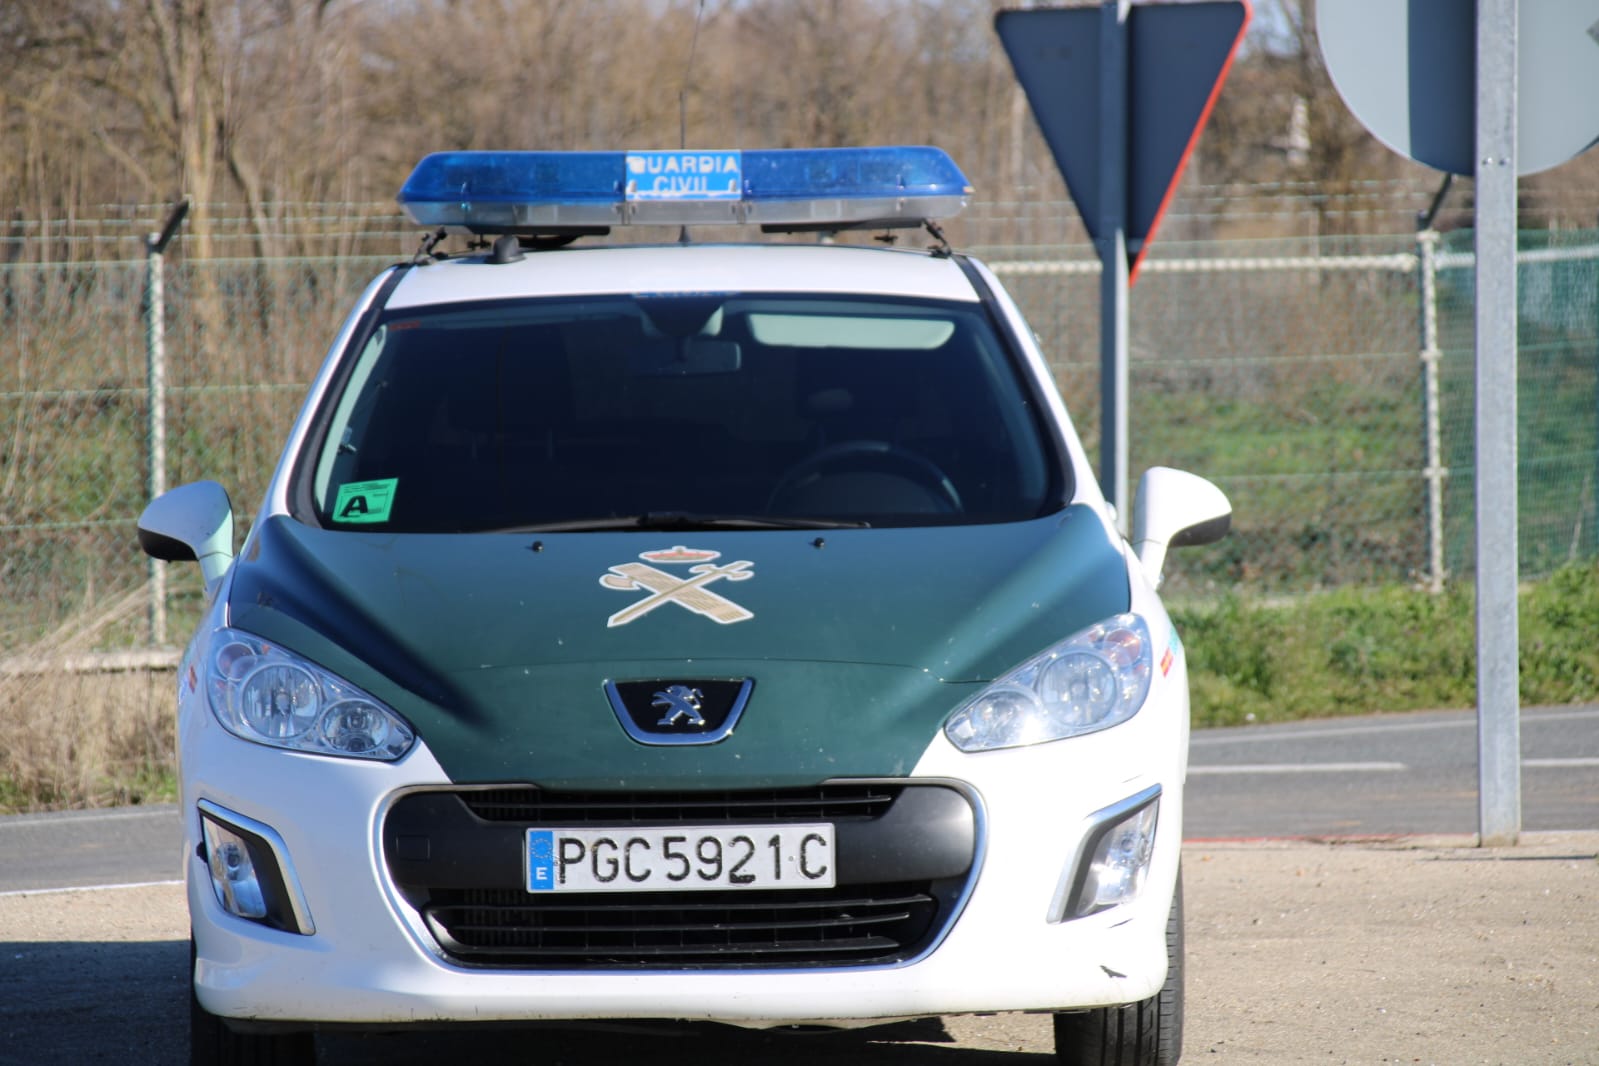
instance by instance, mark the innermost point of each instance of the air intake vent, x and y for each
(839, 927)
(531, 806)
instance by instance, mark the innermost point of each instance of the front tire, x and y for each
(1148, 1033)
(212, 1043)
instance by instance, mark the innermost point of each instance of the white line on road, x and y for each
(1300, 768)
(85, 888)
(1578, 763)
(1287, 731)
(63, 817)
(1234, 735)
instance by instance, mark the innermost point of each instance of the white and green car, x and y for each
(727, 632)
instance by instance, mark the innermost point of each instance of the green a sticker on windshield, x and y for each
(365, 501)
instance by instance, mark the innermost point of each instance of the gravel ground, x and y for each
(1380, 952)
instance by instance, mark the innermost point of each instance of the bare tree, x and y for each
(273, 103)
(1281, 125)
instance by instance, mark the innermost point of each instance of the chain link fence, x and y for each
(1325, 384)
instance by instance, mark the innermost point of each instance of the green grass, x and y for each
(1355, 651)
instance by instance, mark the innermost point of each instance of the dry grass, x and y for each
(77, 737)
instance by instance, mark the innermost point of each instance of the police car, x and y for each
(718, 632)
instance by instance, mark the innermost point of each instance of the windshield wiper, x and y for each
(685, 520)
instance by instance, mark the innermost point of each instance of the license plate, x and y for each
(680, 858)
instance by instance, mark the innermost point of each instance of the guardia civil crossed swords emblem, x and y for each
(690, 593)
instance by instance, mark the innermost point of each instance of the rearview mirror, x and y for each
(686, 357)
(1174, 509)
(193, 521)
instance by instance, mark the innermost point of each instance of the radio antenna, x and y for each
(682, 95)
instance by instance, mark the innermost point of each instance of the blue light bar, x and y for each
(531, 192)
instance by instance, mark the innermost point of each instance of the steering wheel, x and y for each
(869, 455)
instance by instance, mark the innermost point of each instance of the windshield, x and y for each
(707, 410)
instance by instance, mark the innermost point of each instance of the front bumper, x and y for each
(372, 959)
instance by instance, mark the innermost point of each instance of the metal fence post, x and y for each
(155, 348)
(1433, 471)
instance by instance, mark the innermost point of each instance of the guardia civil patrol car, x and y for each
(696, 631)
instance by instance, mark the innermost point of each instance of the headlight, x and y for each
(1089, 682)
(263, 693)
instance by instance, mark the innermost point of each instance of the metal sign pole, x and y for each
(1498, 695)
(1113, 124)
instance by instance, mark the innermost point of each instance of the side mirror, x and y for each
(1174, 509)
(193, 521)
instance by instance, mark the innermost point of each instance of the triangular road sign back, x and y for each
(1177, 59)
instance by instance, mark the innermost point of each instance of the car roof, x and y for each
(690, 268)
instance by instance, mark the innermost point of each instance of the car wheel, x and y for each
(212, 1043)
(1149, 1033)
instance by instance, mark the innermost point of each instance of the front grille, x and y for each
(852, 925)
(904, 856)
(531, 806)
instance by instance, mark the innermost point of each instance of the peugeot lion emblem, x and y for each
(679, 704)
(679, 710)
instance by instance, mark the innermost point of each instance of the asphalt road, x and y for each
(128, 845)
(1385, 775)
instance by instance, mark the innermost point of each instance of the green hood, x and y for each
(860, 641)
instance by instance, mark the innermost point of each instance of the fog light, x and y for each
(233, 875)
(250, 871)
(1114, 863)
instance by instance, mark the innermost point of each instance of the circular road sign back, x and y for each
(1407, 69)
